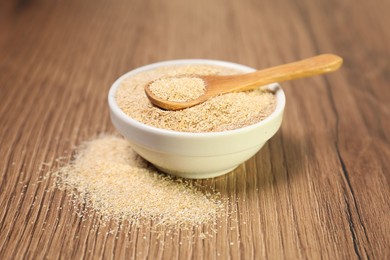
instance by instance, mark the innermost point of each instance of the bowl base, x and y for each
(196, 175)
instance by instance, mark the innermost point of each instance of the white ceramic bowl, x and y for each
(195, 155)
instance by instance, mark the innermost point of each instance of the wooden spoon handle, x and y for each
(300, 69)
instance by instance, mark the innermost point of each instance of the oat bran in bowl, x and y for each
(203, 141)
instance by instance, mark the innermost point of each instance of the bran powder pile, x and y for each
(114, 181)
(178, 89)
(221, 113)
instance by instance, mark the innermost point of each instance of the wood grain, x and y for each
(318, 189)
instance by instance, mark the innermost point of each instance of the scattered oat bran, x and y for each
(118, 184)
(224, 112)
(178, 89)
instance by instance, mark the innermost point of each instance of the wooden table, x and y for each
(318, 189)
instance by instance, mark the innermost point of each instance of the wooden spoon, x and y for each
(216, 85)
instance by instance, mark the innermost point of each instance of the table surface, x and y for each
(318, 189)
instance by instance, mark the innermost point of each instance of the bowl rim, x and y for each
(114, 107)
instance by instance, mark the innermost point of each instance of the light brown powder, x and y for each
(114, 181)
(178, 89)
(221, 113)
